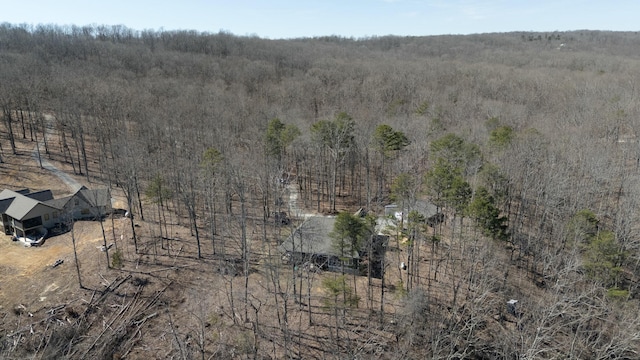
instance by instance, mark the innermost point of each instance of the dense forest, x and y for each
(526, 142)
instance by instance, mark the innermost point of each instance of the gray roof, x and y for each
(9, 194)
(425, 208)
(20, 207)
(312, 237)
(59, 203)
(4, 204)
(95, 198)
(43, 195)
(17, 205)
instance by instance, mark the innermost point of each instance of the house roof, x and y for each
(4, 204)
(425, 208)
(59, 203)
(96, 197)
(17, 205)
(20, 207)
(9, 194)
(43, 195)
(312, 237)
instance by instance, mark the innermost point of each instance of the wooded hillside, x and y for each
(528, 143)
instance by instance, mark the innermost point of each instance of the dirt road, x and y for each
(40, 160)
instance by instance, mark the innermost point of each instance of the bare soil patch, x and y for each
(27, 274)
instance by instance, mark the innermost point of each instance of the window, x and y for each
(55, 214)
(77, 202)
(84, 211)
(46, 217)
(30, 223)
(334, 261)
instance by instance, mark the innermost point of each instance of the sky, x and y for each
(284, 19)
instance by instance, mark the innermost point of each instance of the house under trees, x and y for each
(432, 215)
(312, 243)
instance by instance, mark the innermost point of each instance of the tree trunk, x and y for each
(104, 241)
(75, 255)
(9, 123)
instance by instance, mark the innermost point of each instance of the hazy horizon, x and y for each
(284, 19)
